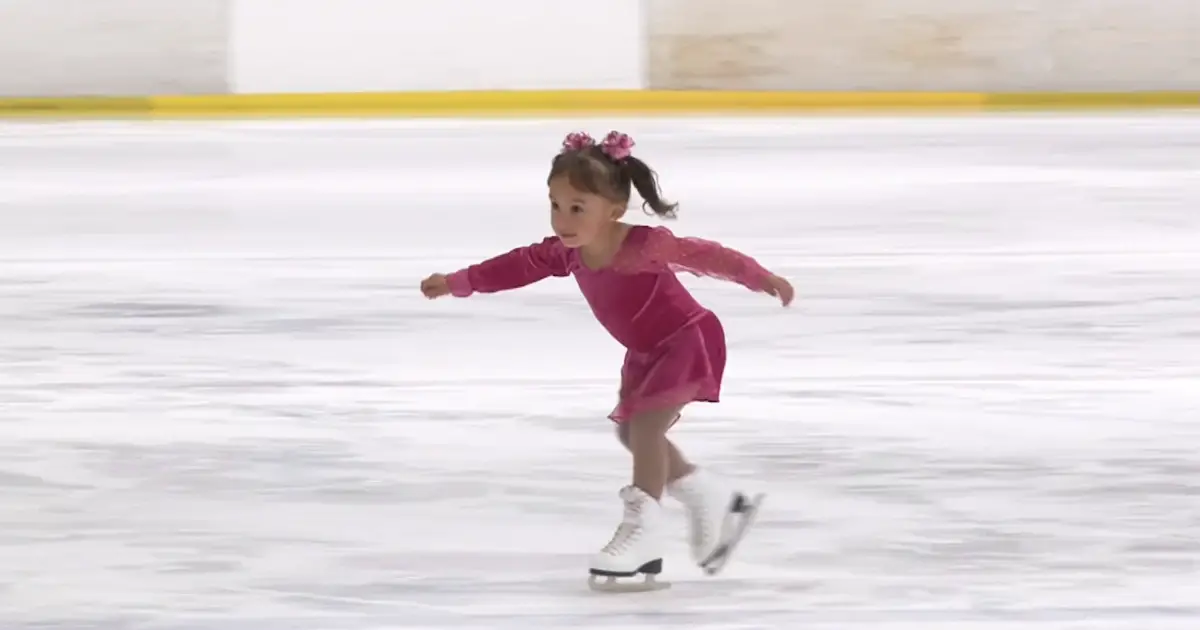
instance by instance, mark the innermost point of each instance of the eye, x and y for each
(577, 209)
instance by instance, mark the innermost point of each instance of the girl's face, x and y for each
(580, 217)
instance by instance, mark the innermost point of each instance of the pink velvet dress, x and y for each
(675, 348)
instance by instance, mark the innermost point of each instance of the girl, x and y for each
(675, 348)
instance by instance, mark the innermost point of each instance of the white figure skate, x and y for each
(635, 548)
(718, 518)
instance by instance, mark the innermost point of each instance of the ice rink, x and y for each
(225, 405)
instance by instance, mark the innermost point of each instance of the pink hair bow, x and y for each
(578, 141)
(617, 146)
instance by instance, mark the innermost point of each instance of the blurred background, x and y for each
(130, 48)
(224, 403)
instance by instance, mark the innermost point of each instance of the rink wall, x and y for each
(929, 45)
(494, 57)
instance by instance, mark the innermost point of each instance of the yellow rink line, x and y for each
(580, 103)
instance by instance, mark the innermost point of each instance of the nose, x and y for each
(560, 223)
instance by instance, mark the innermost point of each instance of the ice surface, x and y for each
(225, 405)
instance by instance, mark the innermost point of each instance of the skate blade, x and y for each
(610, 584)
(732, 537)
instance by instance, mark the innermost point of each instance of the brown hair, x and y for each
(591, 170)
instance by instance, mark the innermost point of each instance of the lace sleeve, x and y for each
(703, 258)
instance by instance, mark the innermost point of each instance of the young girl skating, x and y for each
(675, 348)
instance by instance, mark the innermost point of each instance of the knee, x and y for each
(623, 433)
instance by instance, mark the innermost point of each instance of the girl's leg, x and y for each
(705, 498)
(637, 544)
(677, 465)
(652, 452)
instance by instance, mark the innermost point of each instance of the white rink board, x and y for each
(416, 45)
(935, 45)
(62, 48)
(225, 403)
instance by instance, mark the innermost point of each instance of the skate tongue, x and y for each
(635, 500)
(634, 494)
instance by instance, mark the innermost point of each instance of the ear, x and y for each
(618, 210)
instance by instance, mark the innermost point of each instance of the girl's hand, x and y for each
(435, 286)
(781, 288)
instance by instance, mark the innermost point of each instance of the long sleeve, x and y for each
(517, 268)
(705, 258)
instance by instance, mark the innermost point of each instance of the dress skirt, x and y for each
(686, 367)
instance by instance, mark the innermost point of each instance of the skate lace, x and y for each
(627, 532)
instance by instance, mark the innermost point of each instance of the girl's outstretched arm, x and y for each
(709, 258)
(517, 268)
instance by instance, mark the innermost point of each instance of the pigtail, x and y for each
(609, 168)
(645, 180)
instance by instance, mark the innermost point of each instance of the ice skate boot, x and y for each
(718, 517)
(635, 548)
